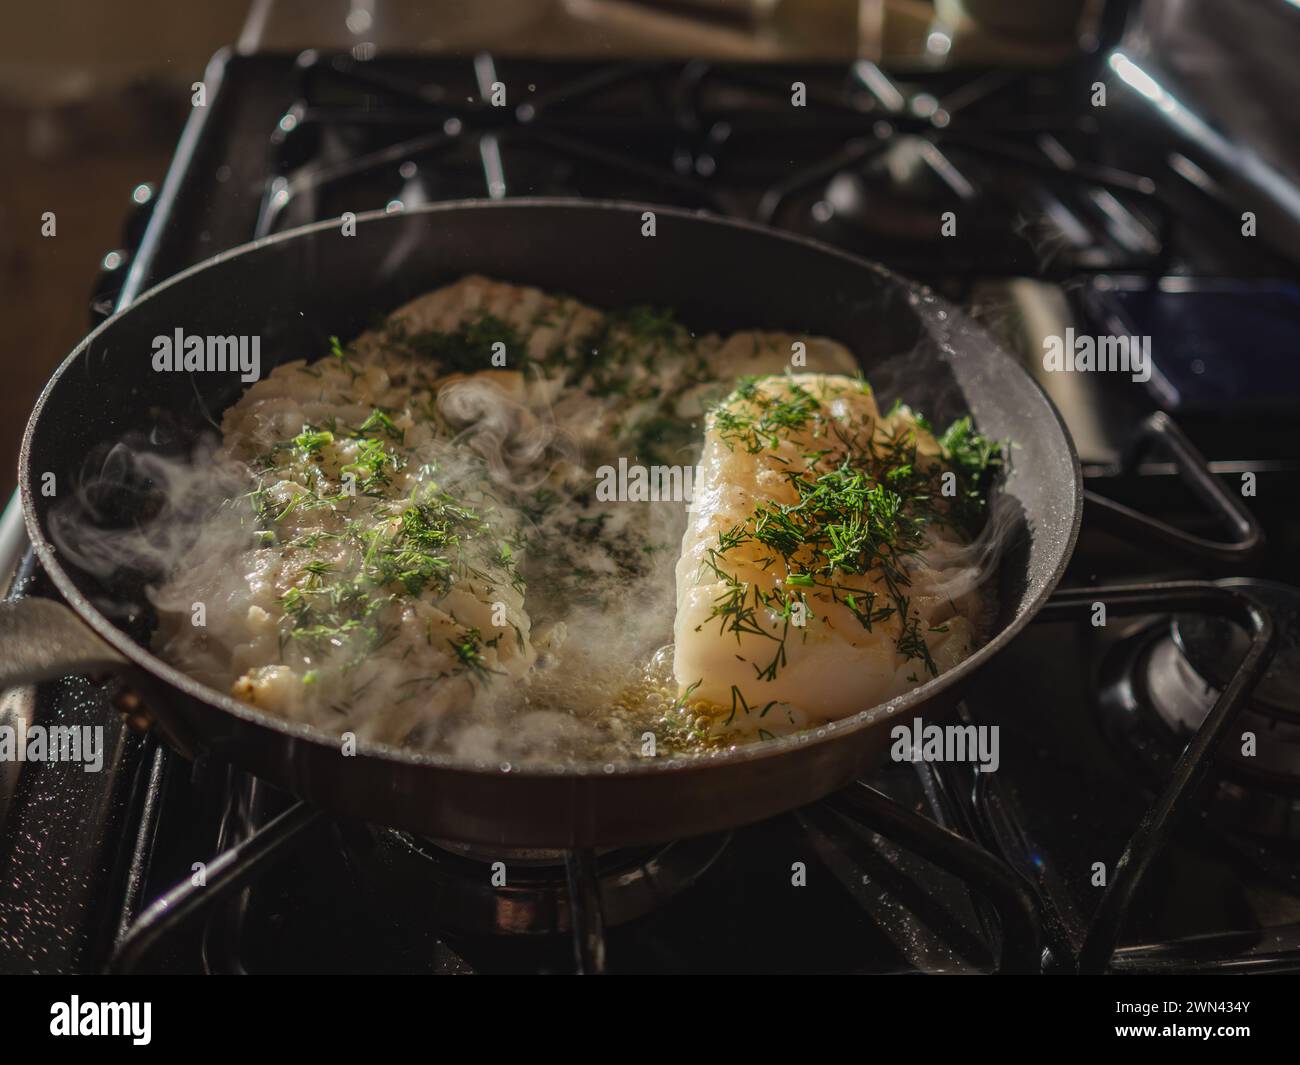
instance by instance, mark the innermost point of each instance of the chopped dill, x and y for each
(861, 513)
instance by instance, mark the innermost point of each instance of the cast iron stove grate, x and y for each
(866, 163)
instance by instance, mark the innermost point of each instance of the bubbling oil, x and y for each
(681, 725)
(629, 715)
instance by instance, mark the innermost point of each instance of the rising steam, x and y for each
(138, 512)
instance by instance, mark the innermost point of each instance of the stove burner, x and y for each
(901, 192)
(531, 893)
(1213, 646)
(1158, 685)
(1186, 670)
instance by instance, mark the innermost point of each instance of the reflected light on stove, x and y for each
(359, 20)
(1183, 166)
(1135, 77)
(923, 104)
(1243, 161)
(938, 43)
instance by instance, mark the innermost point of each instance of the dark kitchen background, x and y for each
(1122, 219)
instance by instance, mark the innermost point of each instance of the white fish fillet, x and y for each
(831, 665)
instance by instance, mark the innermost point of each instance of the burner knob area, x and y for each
(1186, 672)
(1159, 684)
(1179, 694)
(1213, 647)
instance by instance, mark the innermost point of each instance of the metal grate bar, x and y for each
(1158, 823)
(224, 874)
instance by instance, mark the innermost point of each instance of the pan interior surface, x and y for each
(296, 291)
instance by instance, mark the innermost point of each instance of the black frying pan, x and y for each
(297, 289)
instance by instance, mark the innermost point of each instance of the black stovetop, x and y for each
(928, 867)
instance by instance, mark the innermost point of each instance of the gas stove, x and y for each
(1066, 215)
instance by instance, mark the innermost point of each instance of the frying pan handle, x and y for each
(44, 640)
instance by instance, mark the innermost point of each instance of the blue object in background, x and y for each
(1227, 346)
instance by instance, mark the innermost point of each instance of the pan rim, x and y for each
(760, 750)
